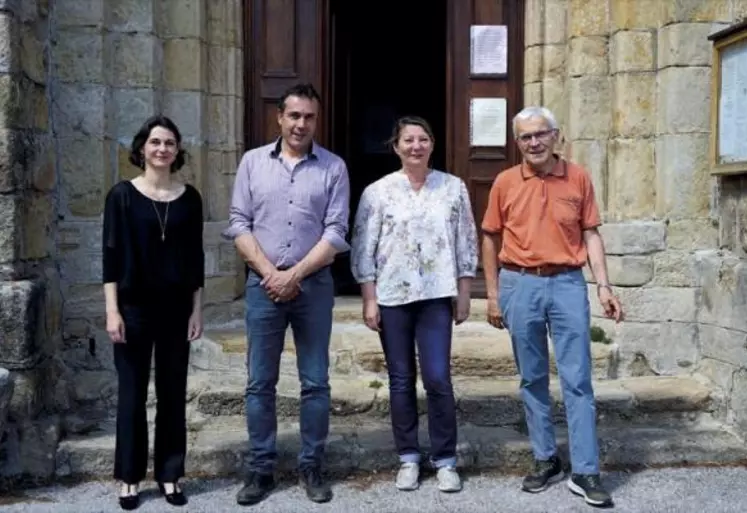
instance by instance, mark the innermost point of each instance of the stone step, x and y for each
(482, 402)
(478, 350)
(218, 447)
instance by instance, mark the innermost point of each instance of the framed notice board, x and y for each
(728, 146)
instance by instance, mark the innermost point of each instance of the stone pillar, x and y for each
(589, 90)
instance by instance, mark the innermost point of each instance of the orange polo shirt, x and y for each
(542, 219)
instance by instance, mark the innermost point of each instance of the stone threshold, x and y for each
(480, 401)
(218, 448)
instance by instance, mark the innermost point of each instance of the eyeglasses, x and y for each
(542, 136)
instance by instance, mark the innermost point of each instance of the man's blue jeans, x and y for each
(310, 318)
(530, 305)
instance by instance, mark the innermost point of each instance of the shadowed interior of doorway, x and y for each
(388, 60)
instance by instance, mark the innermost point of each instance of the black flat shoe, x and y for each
(175, 498)
(129, 502)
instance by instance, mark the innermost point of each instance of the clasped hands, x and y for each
(282, 286)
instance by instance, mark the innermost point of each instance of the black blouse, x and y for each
(139, 255)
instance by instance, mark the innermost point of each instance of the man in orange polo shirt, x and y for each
(540, 229)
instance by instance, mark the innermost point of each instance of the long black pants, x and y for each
(162, 323)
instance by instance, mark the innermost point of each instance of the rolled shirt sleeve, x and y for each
(338, 210)
(240, 212)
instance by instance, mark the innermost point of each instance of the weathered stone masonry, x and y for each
(78, 78)
(630, 82)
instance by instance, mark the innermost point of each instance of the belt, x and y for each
(541, 270)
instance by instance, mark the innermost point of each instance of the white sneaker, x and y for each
(448, 479)
(408, 477)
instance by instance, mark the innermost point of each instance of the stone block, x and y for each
(719, 373)
(11, 101)
(632, 51)
(588, 56)
(78, 56)
(185, 65)
(686, 44)
(220, 189)
(634, 238)
(38, 222)
(6, 392)
(554, 61)
(28, 394)
(222, 121)
(79, 13)
(653, 304)
(129, 110)
(723, 344)
(532, 66)
(9, 43)
(79, 110)
(533, 93)
(136, 60)
(695, 11)
(634, 14)
(224, 23)
(534, 33)
(10, 228)
(674, 268)
(195, 170)
(79, 235)
(631, 190)
(592, 155)
(683, 175)
(693, 234)
(12, 150)
(634, 105)
(226, 66)
(131, 16)
(588, 18)
(738, 400)
(21, 323)
(86, 175)
(188, 111)
(630, 270)
(653, 348)
(40, 160)
(81, 267)
(684, 86)
(35, 113)
(221, 289)
(589, 102)
(723, 282)
(556, 21)
(183, 18)
(740, 9)
(125, 169)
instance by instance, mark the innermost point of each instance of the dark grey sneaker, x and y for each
(545, 473)
(256, 487)
(317, 490)
(589, 486)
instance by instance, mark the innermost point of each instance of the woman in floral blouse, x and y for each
(414, 253)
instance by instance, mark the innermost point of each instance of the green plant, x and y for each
(375, 384)
(597, 334)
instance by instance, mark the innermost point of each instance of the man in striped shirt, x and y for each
(288, 219)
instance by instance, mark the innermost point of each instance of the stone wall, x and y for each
(78, 78)
(630, 83)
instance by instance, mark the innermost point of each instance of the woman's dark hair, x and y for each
(404, 121)
(141, 137)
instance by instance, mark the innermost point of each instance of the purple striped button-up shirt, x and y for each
(288, 208)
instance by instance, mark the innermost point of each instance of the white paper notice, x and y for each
(733, 102)
(487, 122)
(489, 49)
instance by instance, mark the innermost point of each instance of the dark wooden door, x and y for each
(286, 44)
(479, 165)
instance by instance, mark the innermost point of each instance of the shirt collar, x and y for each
(276, 149)
(559, 170)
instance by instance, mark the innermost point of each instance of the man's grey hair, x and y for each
(534, 112)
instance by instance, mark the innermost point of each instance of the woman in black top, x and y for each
(153, 281)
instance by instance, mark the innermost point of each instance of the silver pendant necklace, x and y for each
(165, 220)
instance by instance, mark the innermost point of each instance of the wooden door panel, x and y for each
(478, 166)
(285, 46)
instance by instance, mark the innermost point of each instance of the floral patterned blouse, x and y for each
(414, 244)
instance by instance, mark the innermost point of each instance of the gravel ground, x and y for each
(701, 490)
